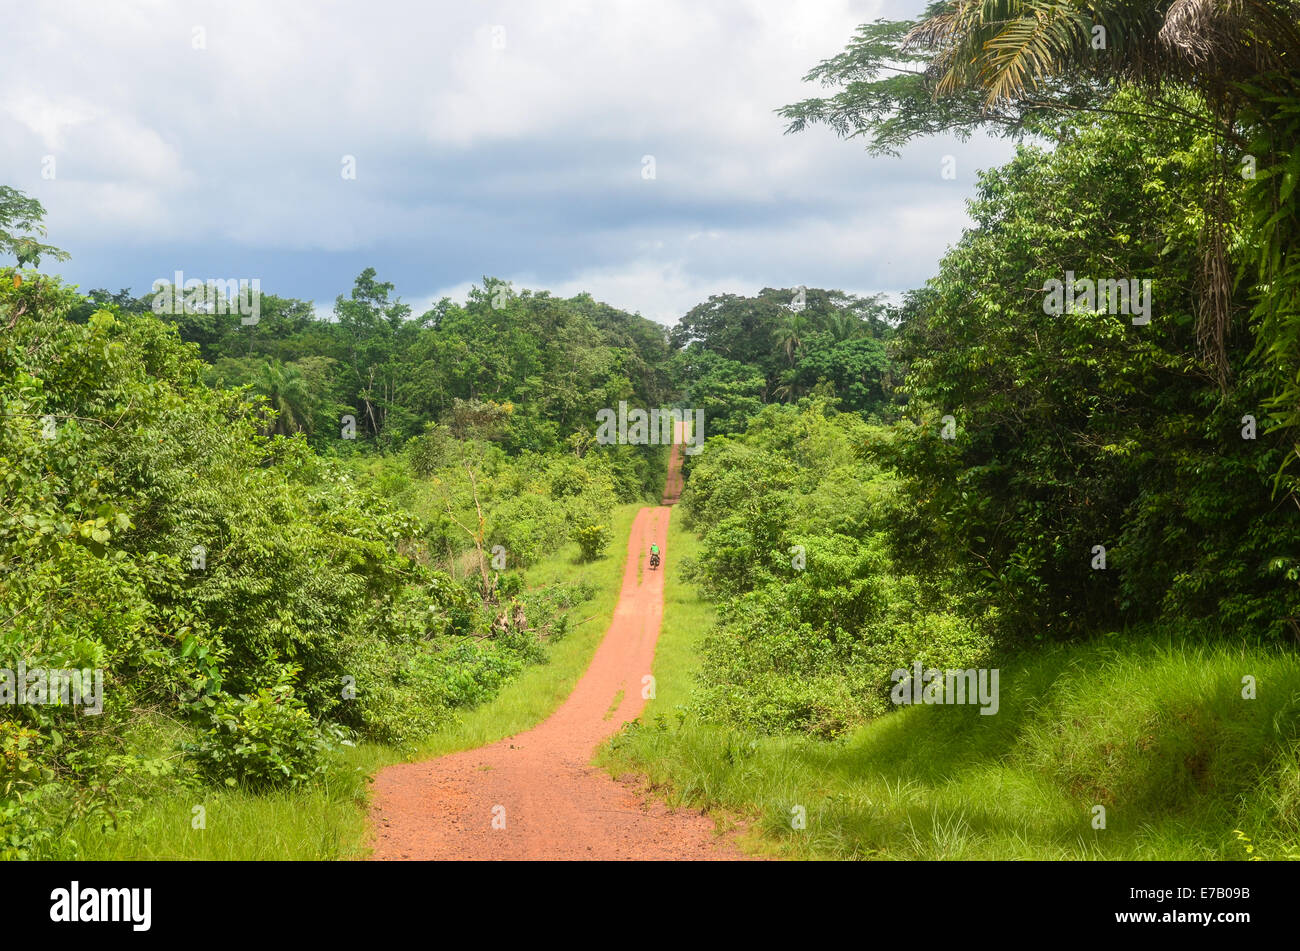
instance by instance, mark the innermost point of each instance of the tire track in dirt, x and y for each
(539, 784)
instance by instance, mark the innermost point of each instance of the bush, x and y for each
(263, 740)
(593, 540)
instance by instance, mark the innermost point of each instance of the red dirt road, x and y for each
(539, 785)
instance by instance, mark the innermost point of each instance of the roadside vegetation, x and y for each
(304, 547)
(1095, 499)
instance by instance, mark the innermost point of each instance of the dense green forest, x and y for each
(1067, 432)
(304, 532)
(288, 537)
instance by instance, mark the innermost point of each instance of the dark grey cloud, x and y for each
(503, 140)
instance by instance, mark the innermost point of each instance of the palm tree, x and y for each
(1241, 55)
(845, 325)
(791, 333)
(1008, 47)
(287, 393)
(788, 390)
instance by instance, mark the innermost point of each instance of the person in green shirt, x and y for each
(654, 554)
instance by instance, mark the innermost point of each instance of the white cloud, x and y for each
(473, 157)
(659, 290)
(46, 118)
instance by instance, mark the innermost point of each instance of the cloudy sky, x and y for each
(505, 139)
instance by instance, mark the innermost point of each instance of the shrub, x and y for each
(266, 739)
(593, 540)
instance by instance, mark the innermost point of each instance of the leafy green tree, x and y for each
(1008, 47)
(815, 611)
(288, 397)
(1078, 431)
(1017, 67)
(374, 329)
(727, 391)
(21, 225)
(791, 335)
(736, 353)
(856, 368)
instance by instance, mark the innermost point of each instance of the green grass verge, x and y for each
(1153, 728)
(328, 820)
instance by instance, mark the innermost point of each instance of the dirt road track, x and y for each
(539, 784)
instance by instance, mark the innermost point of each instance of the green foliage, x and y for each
(262, 740)
(839, 551)
(1079, 429)
(736, 354)
(1219, 74)
(593, 540)
(1150, 723)
(164, 533)
(886, 95)
(727, 391)
(1272, 215)
(814, 615)
(20, 226)
(522, 369)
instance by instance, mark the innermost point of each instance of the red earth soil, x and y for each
(535, 795)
